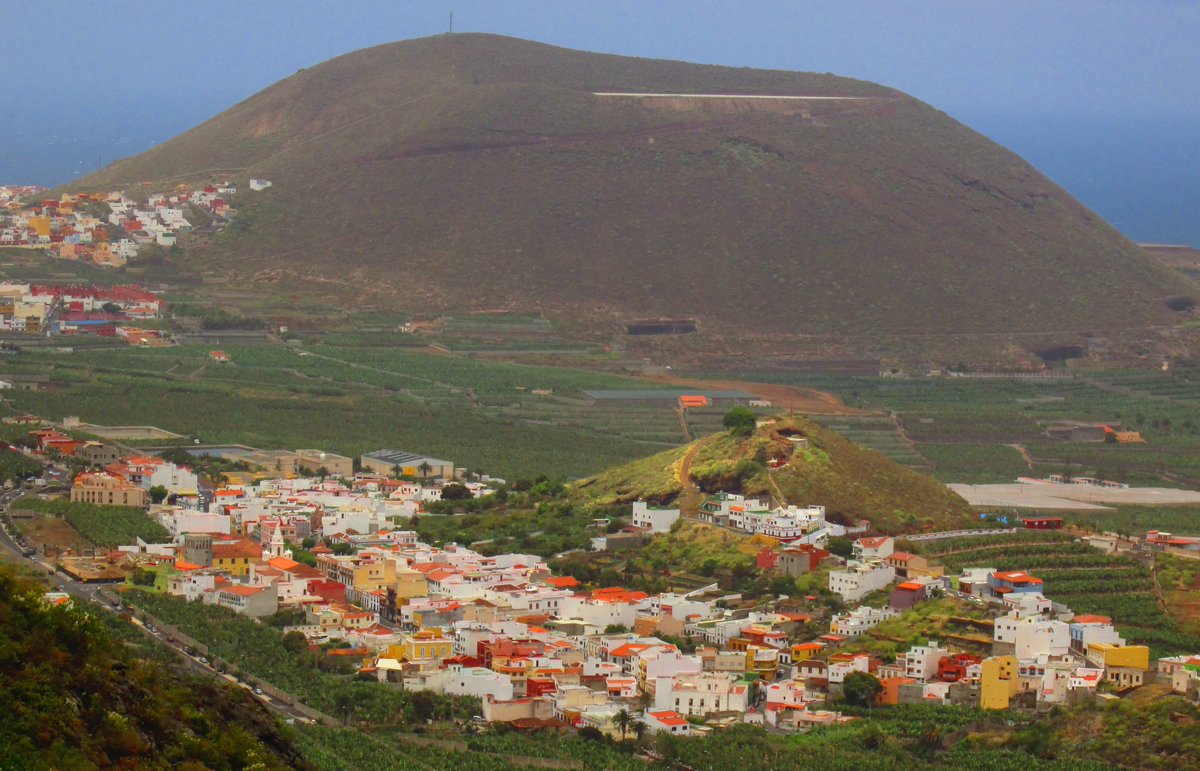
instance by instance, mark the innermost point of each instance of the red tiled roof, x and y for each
(872, 543)
(236, 549)
(1091, 619)
(669, 718)
(244, 591)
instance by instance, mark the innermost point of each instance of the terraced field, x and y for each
(969, 430)
(1079, 576)
(879, 433)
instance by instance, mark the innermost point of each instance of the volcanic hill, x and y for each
(788, 459)
(474, 171)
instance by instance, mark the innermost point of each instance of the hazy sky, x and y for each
(110, 78)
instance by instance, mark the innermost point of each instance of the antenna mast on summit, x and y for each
(451, 30)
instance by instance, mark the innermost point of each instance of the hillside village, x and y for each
(335, 553)
(109, 229)
(114, 312)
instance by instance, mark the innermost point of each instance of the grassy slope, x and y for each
(73, 697)
(388, 173)
(850, 481)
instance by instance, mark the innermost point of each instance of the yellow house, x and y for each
(40, 225)
(236, 556)
(411, 583)
(805, 651)
(998, 682)
(1110, 655)
(763, 661)
(423, 645)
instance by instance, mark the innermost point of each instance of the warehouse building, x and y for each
(401, 463)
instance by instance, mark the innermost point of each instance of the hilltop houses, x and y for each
(111, 228)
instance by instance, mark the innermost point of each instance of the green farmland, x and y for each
(484, 415)
(976, 430)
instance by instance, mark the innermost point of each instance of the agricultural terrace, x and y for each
(1136, 520)
(975, 431)
(107, 526)
(355, 401)
(1077, 575)
(948, 619)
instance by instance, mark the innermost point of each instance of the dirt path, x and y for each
(689, 494)
(1025, 456)
(795, 398)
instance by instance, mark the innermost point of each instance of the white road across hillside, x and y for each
(735, 96)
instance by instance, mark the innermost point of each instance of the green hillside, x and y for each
(477, 171)
(74, 697)
(819, 467)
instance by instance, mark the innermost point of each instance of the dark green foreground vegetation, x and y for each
(73, 697)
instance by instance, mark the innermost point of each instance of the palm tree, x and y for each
(639, 729)
(623, 720)
(425, 468)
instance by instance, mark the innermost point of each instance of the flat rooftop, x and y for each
(400, 458)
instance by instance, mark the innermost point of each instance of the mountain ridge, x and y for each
(415, 166)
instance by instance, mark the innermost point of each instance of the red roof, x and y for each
(872, 543)
(617, 594)
(1091, 619)
(244, 591)
(1016, 577)
(242, 549)
(669, 718)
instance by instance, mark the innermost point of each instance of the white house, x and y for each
(1086, 630)
(176, 479)
(182, 521)
(880, 547)
(597, 615)
(667, 721)
(700, 694)
(654, 520)
(1033, 635)
(837, 671)
(457, 680)
(857, 621)
(921, 661)
(860, 579)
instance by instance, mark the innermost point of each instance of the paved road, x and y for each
(93, 594)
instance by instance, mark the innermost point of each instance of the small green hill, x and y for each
(790, 459)
(73, 696)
